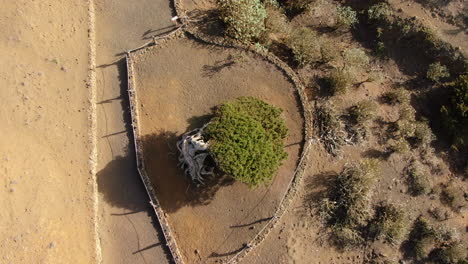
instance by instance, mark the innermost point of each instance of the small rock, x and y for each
(51, 245)
(63, 68)
(252, 227)
(23, 83)
(12, 190)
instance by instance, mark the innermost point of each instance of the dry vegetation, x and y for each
(388, 87)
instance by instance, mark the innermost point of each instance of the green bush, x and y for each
(388, 223)
(246, 138)
(297, 6)
(437, 71)
(380, 11)
(245, 19)
(417, 179)
(346, 17)
(363, 111)
(455, 114)
(423, 134)
(305, 45)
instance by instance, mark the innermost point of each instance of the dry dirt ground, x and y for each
(46, 192)
(178, 83)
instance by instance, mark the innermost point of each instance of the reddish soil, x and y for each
(178, 83)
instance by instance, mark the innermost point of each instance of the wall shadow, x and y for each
(172, 187)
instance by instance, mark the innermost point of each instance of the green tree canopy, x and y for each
(246, 140)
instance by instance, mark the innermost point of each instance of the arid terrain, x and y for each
(71, 190)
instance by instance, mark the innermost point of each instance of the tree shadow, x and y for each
(207, 21)
(218, 66)
(173, 189)
(319, 187)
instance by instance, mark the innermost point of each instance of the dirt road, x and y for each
(129, 231)
(46, 195)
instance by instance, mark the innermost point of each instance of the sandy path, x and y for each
(129, 231)
(46, 193)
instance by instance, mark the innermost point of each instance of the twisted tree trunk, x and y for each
(193, 154)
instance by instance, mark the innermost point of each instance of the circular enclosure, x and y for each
(178, 84)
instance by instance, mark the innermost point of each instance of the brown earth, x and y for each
(178, 83)
(46, 196)
(129, 231)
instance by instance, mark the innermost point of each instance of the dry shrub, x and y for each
(305, 45)
(453, 196)
(347, 209)
(328, 50)
(397, 96)
(416, 178)
(399, 145)
(450, 253)
(339, 81)
(407, 112)
(363, 111)
(388, 223)
(423, 134)
(329, 128)
(276, 22)
(422, 239)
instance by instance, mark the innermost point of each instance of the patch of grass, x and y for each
(417, 180)
(347, 209)
(388, 223)
(244, 19)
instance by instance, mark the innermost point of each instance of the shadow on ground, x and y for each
(173, 189)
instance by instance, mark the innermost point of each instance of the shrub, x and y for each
(363, 111)
(423, 134)
(399, 145)
(355, 57)
(305, 45)
(397, 96)
(388, 223)
(346, 17)
(349, 202)
(451, 253)
(379, 12)
(328, 50)
(453, 196)
(407, 112)
(245, 19)
(297, 6)
(406, 128)
(421, 239)
(246, 137)
(276, 22)
(437, 71)
(329, 128)
(339, 81)
(455, 114)
(417, 180)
